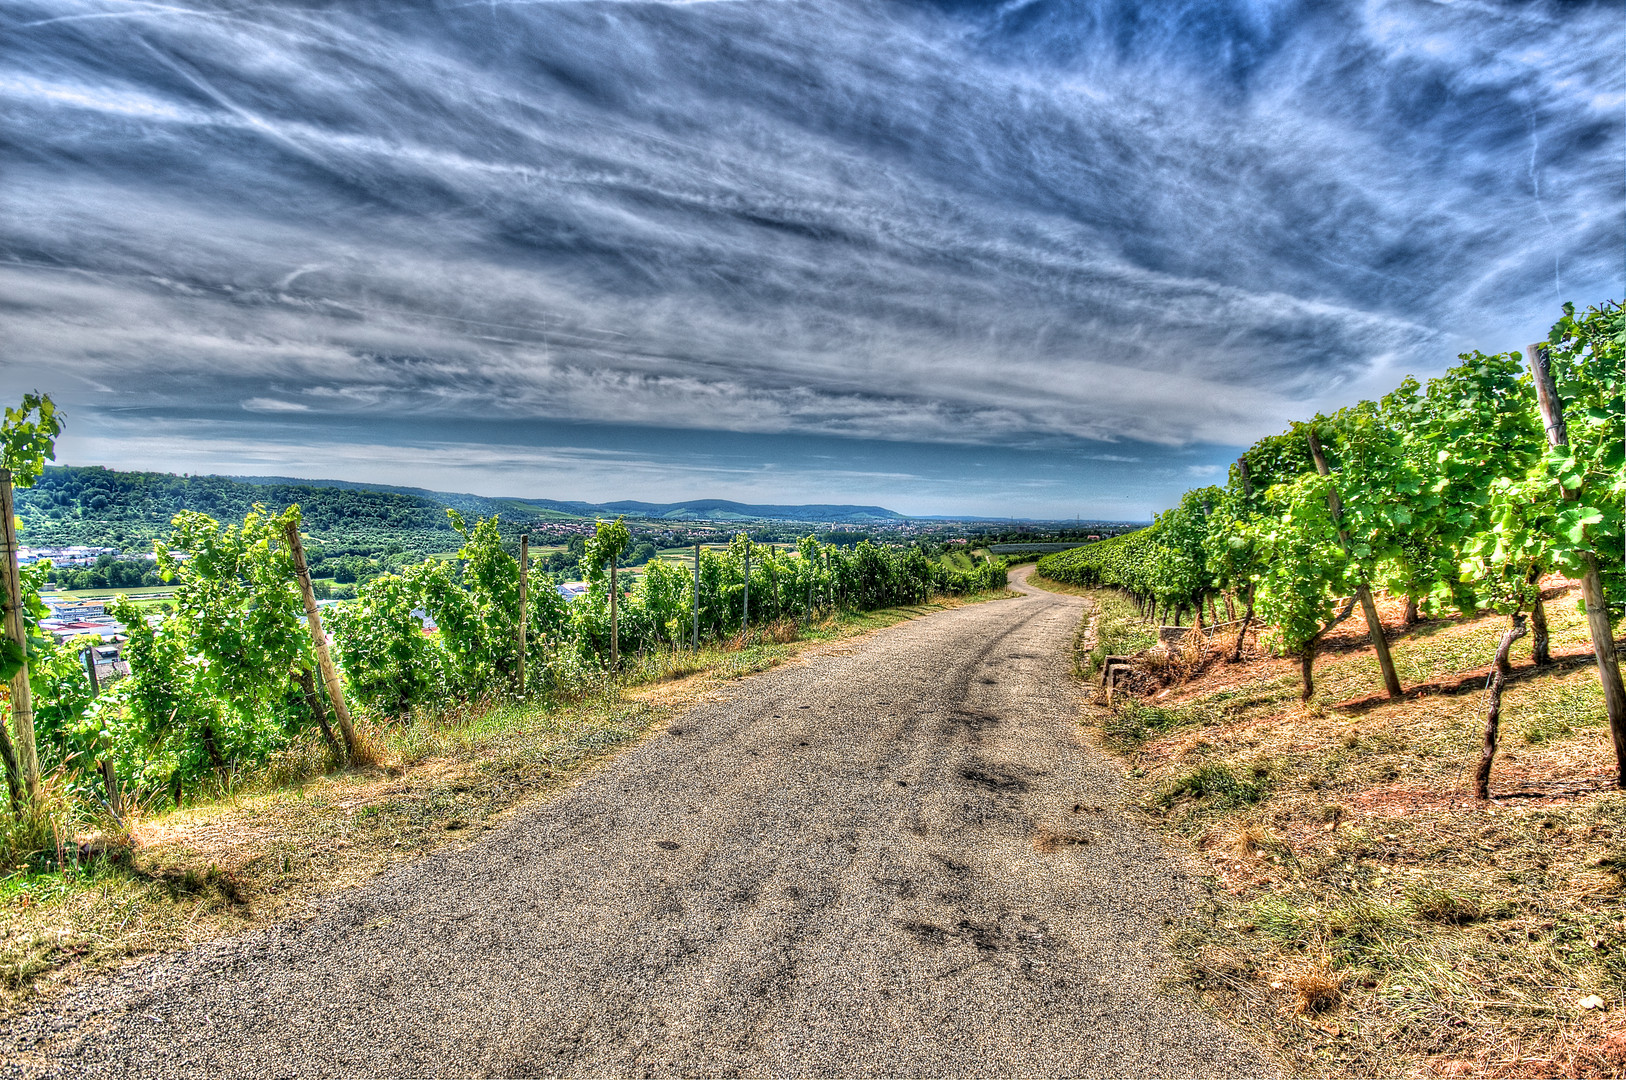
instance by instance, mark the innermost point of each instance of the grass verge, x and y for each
(1112, 626)
(263, 851)
(1367, 917)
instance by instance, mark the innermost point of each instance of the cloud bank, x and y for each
(1043, 224)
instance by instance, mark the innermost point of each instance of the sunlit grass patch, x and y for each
(1214, 786)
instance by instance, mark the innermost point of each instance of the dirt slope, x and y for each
(895, 860)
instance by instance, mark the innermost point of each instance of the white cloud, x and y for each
(274, 405)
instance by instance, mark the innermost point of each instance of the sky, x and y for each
(1038, 258)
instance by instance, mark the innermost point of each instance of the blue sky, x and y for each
(1038, 258)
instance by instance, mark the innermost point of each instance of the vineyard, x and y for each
(1457, 495)
(245, 668)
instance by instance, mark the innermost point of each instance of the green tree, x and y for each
(27, 442)
(610, 539)
(1302, 568)
(1566, 511)
(211, 685)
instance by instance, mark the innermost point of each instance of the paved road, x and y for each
(840, 868)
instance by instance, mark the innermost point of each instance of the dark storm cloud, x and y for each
(1040, 222)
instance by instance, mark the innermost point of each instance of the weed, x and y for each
(1133, 722)
(1318, 990)
(1221, 786)
(1434, 904)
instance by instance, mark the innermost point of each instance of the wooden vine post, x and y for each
(324, 659)
(313, 702)
(745, 617)
(524, 567)
(1597, 613)
(110, 775)
(22, 694)
(615, 626)
(90, 669)
(1391, 679)
(697, 595)
(8, 758)
(1493, 709)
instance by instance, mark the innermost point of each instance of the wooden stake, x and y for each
(1493, 713)
(22, 694)
(90, 669)
(1391, 679)
(1597, 615)
(324, 660)
(1307, 670)
(14, 776)
(313, 701)
(745, 617)
(524, 568)
(697, 596)
(615, 626)
(1242, 631)
(110, 779)
(1547, 399)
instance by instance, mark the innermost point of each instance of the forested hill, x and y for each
(106, 507)
(516, 509)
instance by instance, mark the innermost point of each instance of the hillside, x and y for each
(522, 509)
(108, 507)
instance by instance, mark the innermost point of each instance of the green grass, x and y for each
(135, 593)
(1216, 786)
(1133, 722)
(1120, 630)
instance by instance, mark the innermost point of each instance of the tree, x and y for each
(1470, 430)
(1302, 568)
(1369, 501)
(27, 442)
(1582, 393)
(389, 663)
(213, 683)
(610, 539)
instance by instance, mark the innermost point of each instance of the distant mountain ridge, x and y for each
(689, 510)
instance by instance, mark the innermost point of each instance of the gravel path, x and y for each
(897, 860)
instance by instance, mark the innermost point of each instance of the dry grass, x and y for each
(1319, 990)
(1344, 846)
(266, 849)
